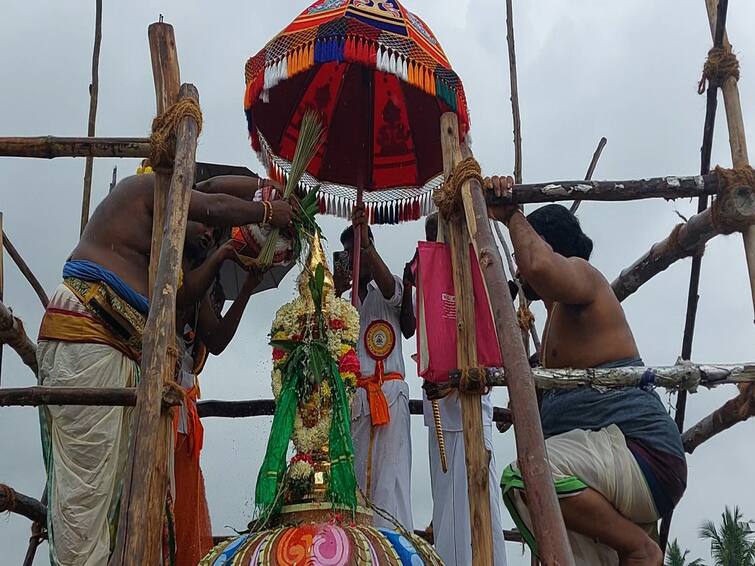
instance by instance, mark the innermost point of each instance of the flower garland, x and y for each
(294, 323)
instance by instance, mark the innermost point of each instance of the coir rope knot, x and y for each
(726, 215)
(164, 126)
(719, 66)
(447, 197)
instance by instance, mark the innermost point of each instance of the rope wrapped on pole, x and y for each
(734, 210)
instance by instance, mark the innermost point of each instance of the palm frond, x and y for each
(310, 139)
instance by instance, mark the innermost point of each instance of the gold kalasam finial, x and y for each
(316, 257)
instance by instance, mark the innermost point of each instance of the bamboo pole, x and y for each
(2, 286)
(669, 187)
(81, 396)
(15, 502)
(697, 260)
(12, 333)
(737, 139)
(50, 147)
(475, 453)
(734, 411)
(126, 397)
(39, 395)
(114, 180)
(94, 88)
(684, 376)
(513, 82)
(686, 242)
(146, 481)
(38, 534)
(25, 270)
(541, 496)
(167, 77)
(519, 291)
(591, 169)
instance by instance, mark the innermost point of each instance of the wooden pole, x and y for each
(475, 453)
(114, 180)
(737, 138)
(84, 396)
(146, 482)
(697, 260)
(39, 395)
(94, 88)
(609, 191)
(167, 76)
(686, 242)
(38, 534)
(50, 147)
(734, 411)
(15, 502)
(25, 270)
(2, 286)
(513, 82)
(684, 376)
(520, 292)
(591, 169)
(533, 462)
(12, 333)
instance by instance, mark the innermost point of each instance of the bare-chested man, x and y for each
(616, 456)
(91, 337)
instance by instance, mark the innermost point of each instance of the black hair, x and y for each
(561, 229)
(431, 227)
(348, 235)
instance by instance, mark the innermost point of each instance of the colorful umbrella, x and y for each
(380, 80)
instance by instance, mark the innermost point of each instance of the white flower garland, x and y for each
(293, 321)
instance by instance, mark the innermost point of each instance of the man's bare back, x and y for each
(118, 236)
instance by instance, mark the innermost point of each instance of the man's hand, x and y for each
(281, 216)
(341, 281)
(502, 187)
(359, 220)
(253, 278)
(270, 183)
(226, 252)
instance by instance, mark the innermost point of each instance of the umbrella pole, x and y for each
(356, 256)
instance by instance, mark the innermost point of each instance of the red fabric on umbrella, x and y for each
(380, 80)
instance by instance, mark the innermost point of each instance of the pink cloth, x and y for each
(436, 314)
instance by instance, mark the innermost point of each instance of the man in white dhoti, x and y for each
(91, 336)
(451, 527)
(616, 456)
(380, 424)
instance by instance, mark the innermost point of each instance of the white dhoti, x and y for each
(451, 526)
(599, 460)
(383, 455)
(86, 449)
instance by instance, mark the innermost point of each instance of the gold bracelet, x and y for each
(268, 216)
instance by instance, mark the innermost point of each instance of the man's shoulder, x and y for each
(134, 187)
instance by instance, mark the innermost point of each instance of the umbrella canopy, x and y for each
(380, 81)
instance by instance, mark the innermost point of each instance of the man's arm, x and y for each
(407, 318)
(571, 281)
(197, 282)
(380, 272)
(216, 333)
(226, 211)
(239, 186)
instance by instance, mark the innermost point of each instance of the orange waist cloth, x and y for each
(194, 428)
(191, 514)
(375, 396)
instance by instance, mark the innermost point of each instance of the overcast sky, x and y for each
(627, 70)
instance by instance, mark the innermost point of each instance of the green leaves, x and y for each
(732, 542)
